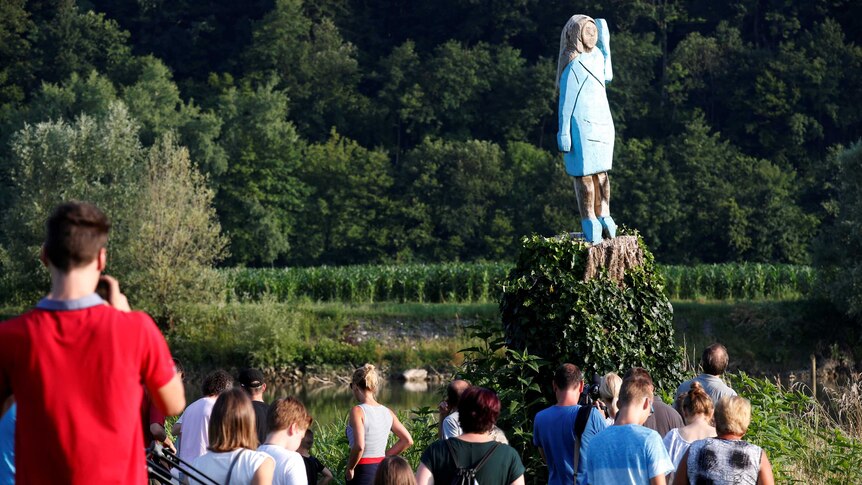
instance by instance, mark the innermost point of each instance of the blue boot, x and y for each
(609, 225)
(592, 230)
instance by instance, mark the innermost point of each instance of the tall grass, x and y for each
(480, 282)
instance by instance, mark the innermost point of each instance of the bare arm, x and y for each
(658, 480)
(519, 481)
(404, 438)
(357, 422)
(170, 398)
(764, 476)
(424, 476)
(327, 477)
(681, 477)
(263, 474)
(542, 454)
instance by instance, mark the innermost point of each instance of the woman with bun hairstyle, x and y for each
(696, 409)
(368, 428)
(231, 457)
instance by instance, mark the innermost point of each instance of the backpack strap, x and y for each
(232, 463)
(486, 457)
(580, 425)
(452, 452)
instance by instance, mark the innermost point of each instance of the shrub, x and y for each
(599, 324)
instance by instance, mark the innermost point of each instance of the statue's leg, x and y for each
(603, 204)
(585, 190)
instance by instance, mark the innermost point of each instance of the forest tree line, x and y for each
(342, 132)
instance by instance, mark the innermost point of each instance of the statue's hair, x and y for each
(571, 42)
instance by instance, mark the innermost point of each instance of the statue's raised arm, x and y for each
(586, 129)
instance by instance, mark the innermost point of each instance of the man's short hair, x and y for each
(454, 391)
(714, 359)
(638, 372)
(732, 415)
(568, 376)
(284, 412)
(634, 390)
(75, 233)
(478, 410)
(216, 382)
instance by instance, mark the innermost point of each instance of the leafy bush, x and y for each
(803, 442)
(837, 250)
(599, 324)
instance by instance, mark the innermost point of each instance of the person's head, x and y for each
(609, 390)
(568, 377)
(639, 372)
(232, 423)
(290, 416)
(251, 380)
(696, 402)
(714, 360)
(307, 440)
(216, 382)
(365, 379)
(454, 391)
(636, 396)
(478, 410)
(76, 235)
(394, 470)
(178, 365)
(732, 415)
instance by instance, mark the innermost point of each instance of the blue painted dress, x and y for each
(585, 116)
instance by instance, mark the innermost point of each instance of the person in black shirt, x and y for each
(313, 466)
(251, 381)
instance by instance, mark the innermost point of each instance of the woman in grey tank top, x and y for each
(368, 428)
(726, 459)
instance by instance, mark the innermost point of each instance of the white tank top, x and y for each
(378, 422)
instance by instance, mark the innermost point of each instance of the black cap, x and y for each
(250, 378)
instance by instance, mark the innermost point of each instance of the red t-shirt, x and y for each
(76, 376)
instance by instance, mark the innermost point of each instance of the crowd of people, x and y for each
(91, 382)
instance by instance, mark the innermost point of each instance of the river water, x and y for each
(330, 403)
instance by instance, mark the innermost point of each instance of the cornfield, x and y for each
(480, 282)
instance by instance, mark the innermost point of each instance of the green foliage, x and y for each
(96, 160)
(259, 193)
(839, 246)
(450, 282)
(346, 214)
(177, 236)
(803, 443)
(749, 281)
(599, 325)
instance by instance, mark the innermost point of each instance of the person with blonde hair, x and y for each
(232, 458)
(287, 420)
(609, 394)
(731, 459)
(394, 470)
(368, 428)
(697, 411)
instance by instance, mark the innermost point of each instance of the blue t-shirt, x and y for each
(627, 454)
(7, 447)
(554, 432)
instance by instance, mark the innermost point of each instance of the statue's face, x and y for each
(590, 36)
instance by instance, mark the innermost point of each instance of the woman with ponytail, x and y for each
(368, 428)
(609, 394)
(697, 410)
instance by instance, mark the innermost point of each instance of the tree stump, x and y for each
(616, 255)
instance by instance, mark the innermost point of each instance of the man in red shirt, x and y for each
(76, 364)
